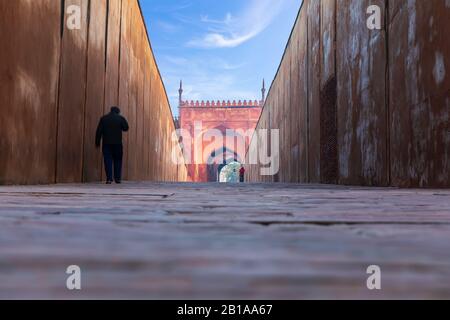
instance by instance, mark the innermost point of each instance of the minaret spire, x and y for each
(263, 90)
(180, 92)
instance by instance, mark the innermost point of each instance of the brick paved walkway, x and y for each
(178, 241)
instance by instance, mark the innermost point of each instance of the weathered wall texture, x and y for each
(419, 91)
(56, 83)
(363, 107)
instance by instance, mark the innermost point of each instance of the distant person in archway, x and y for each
(242, 174)
(110, 130)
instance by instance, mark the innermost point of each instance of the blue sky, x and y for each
(221, 49)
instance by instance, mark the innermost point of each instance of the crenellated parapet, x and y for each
(222, 104)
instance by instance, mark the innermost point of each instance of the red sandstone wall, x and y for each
(220, 118)
(55, 83)
(364, 107)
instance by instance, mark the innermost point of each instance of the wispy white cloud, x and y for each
(204, 78)
(226, 66)
(218, 74)
(177, 61)
(170, 8)
(233, 31)
(227, 21)
(166, 26)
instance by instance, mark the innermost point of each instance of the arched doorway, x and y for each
(229, 173)
(218, 160)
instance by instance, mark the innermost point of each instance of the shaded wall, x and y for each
(56, 83)
(363, 107)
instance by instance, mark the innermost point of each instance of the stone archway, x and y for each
(219, 159)
(229, 173)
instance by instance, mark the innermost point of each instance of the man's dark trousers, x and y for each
(113, 154)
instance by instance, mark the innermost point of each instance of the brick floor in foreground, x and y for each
(211, 241)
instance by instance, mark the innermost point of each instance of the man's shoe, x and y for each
(108, 182)
(118, 181)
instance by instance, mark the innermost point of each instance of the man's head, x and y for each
(115, 110)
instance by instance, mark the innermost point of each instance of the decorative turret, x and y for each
(180, 92)
(263, 91)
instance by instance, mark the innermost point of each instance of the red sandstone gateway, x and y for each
(220, 115)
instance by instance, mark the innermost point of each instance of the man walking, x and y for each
(110, 129)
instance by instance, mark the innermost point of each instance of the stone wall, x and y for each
(359, 106)
(55, 84)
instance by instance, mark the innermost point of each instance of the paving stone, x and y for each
(214, 241)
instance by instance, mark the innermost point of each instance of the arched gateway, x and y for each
(204, 120)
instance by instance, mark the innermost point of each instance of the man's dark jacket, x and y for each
(110, 129)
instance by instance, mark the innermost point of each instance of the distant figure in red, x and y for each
(242, 174)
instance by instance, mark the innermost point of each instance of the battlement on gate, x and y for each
(212, 104)
(222, 104)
